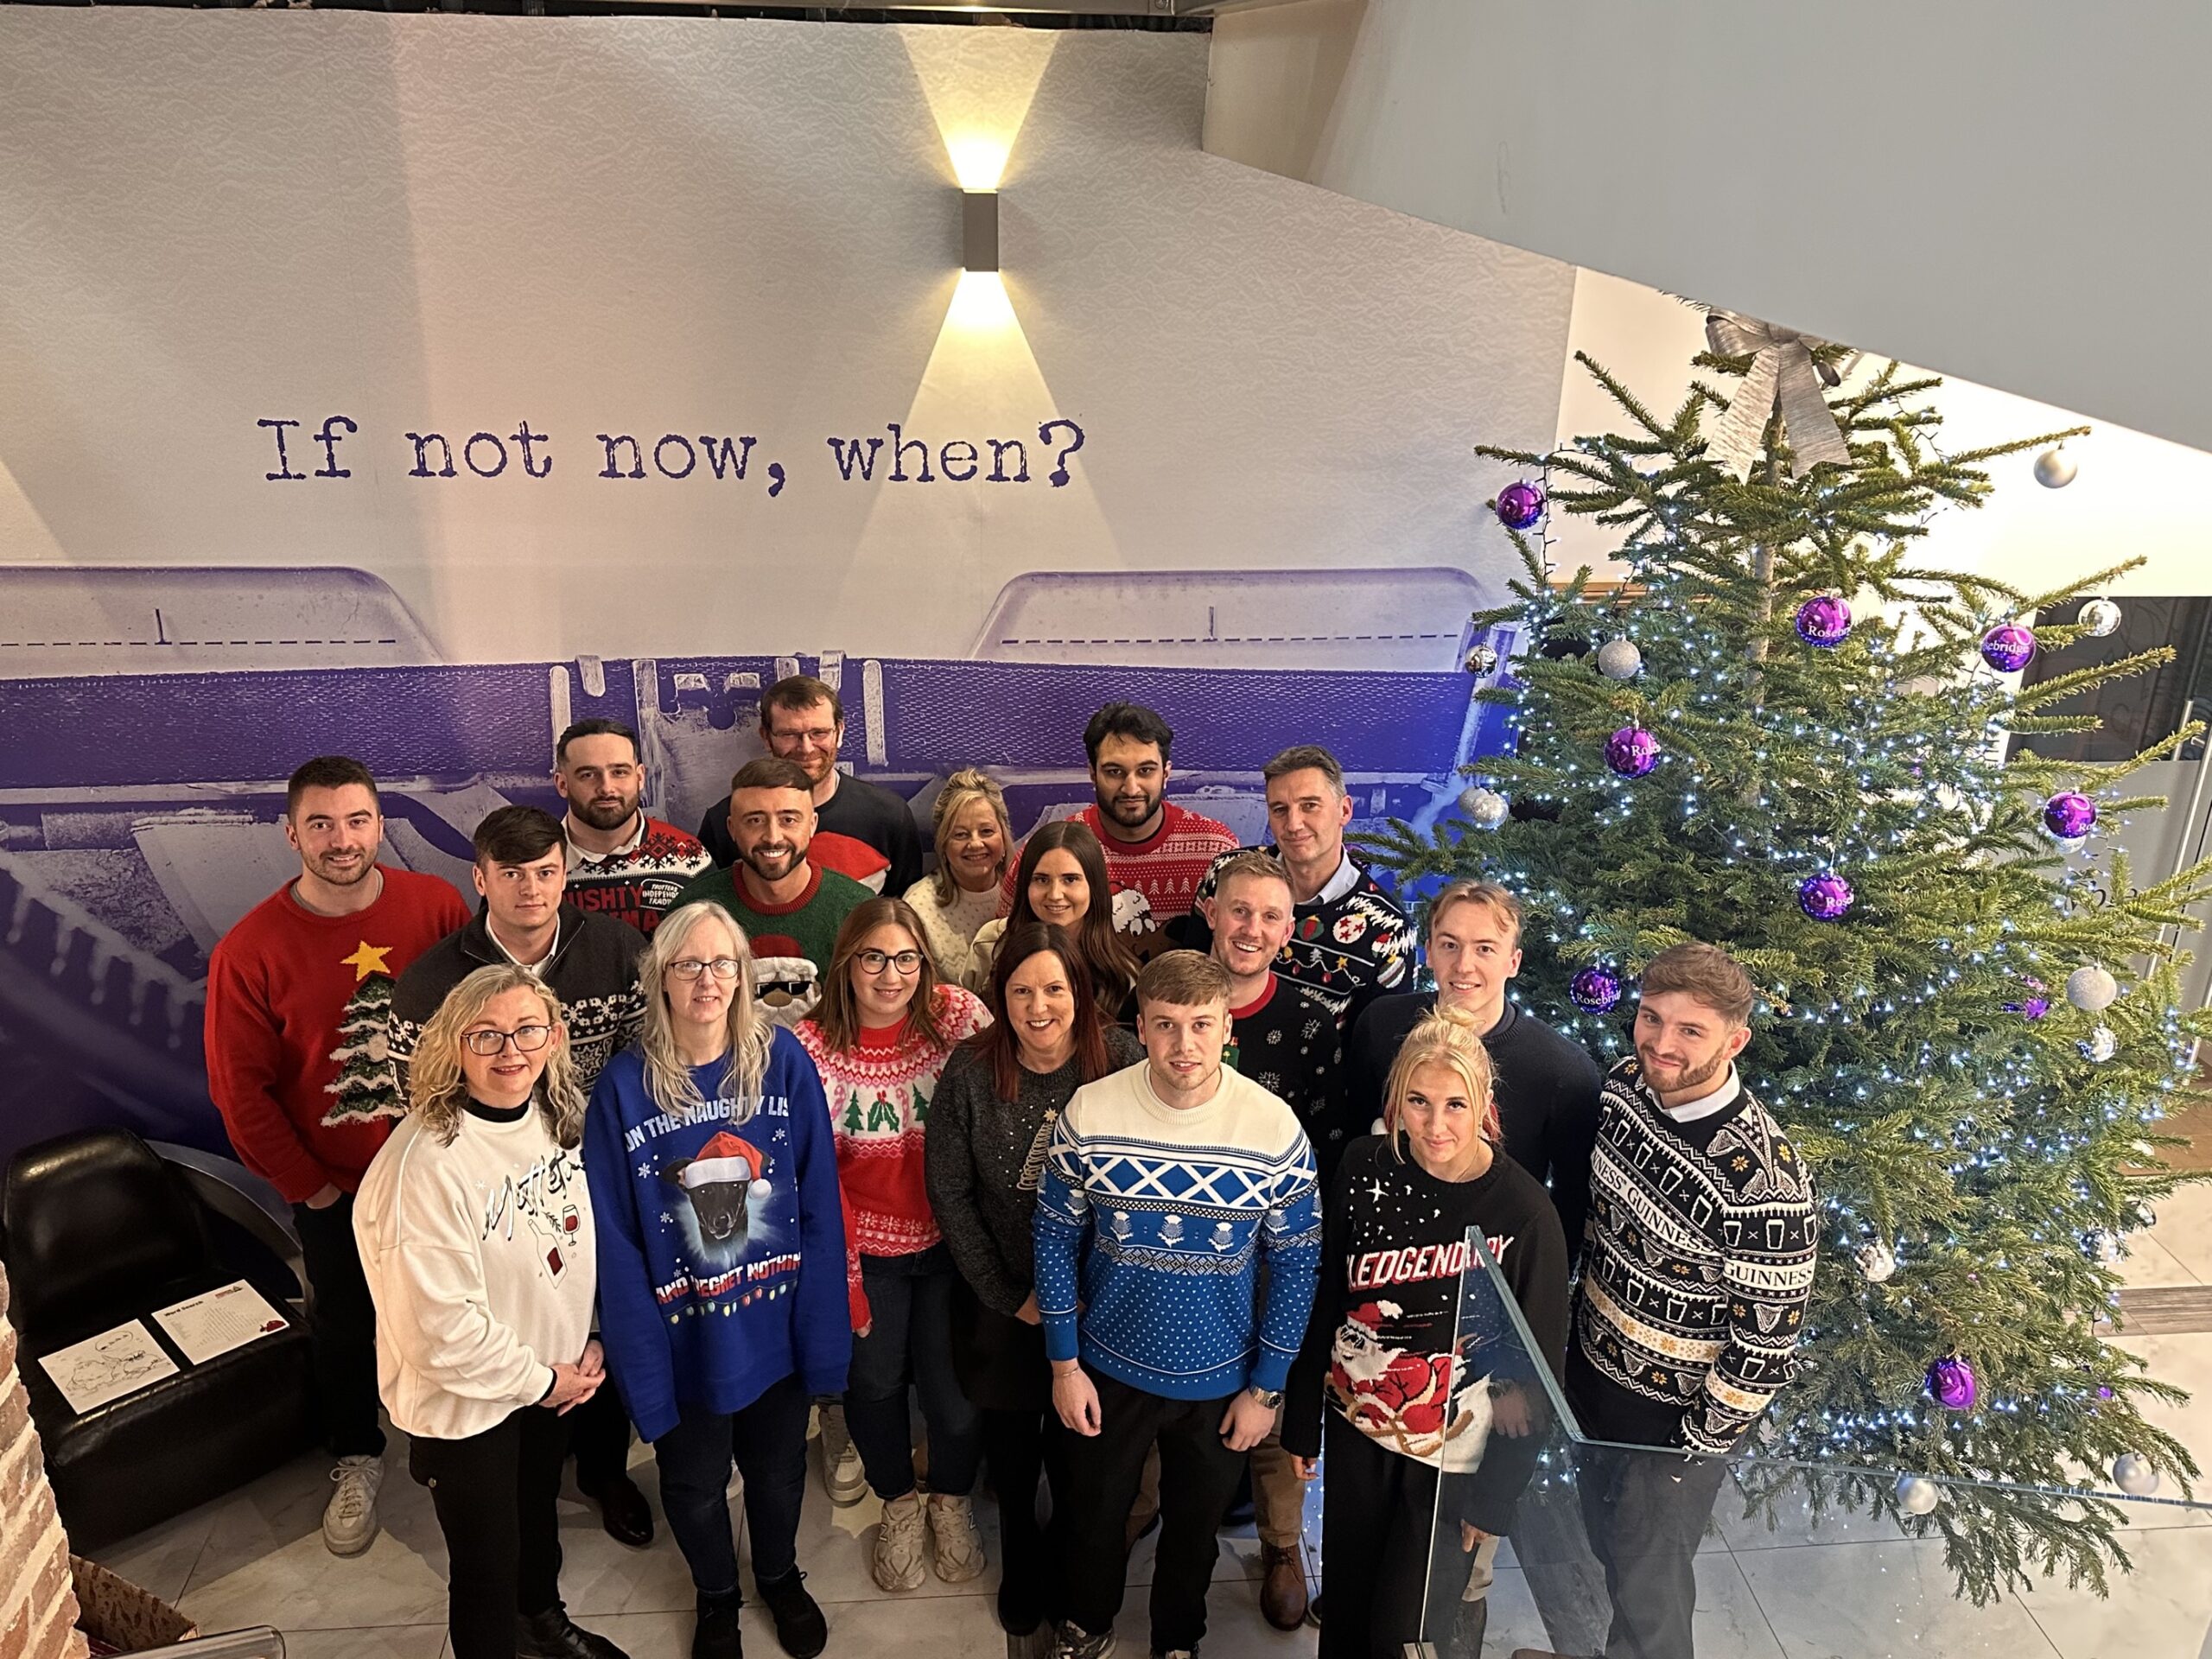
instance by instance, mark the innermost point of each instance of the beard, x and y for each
(813, 762)
(1128, 814)
(1692, 1077)
(606, 814)
(339, 876)
(774, 861)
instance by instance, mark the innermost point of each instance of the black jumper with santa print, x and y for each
(1409, 1395)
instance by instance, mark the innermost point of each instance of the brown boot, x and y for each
(1282, 1592)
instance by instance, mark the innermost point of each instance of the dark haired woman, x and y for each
(992, 1115)
(879, 1036)
(1062, 882)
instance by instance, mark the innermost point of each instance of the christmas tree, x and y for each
(1784, 734)
(365, 1086)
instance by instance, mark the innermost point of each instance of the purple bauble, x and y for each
(2034, 1005)
(1595, 991)
(1824, 897)
(2008, 647)
(1952, 1382)
(1823, 622)
(1520, 505)
(1631, 752)
(2070, 815)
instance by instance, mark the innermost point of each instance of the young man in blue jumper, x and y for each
(1164, 1187)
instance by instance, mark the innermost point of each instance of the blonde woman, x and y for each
(721, 1257)
(973, 842)
(1409, 1404)
(476, 1231)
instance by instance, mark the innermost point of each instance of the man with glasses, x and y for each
(622, 862)
(589, 961)
(802, 721)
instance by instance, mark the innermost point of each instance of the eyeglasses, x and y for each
(691, 968)
(527, 1039)
(908, 962)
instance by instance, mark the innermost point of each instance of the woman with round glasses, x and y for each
(880, 1037)
(476, 1229)
(721, 1265)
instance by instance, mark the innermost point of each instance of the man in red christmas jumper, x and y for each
(297, 998)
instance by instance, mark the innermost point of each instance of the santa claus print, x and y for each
(1416, 1403)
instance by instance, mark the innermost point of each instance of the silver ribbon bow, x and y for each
(1782, 371)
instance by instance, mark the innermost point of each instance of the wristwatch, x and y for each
(1271, 1398)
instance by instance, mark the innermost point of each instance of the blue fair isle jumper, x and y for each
(721, 1239)
(1154, 1220)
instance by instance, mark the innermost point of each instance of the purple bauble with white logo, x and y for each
(1519, 505)
(1824, 897)
(1954, 1384)
(1824, 621)
(2008, 647)
(1631, 751)
(2070, 815)
(1595, 991)
(2034, 1005)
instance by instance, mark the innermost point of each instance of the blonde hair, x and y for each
(966, 786)
(1446, 1037)
(437, 1088)
(1502, 905)
(668, 1074)
(1184, 979)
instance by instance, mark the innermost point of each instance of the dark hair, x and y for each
(517, 835)
(1705, 972)
(996, 1043)
(1184, 979)
(771, 771)
(797, 691)
(837, 1015)
(1305, 757)
(328, 771)
(595, 728)
(1130, 720)
(1113, 966)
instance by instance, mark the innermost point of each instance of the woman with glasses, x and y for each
(990, 1119)
(880, 1037)
(973, 837)
(476, 1231)
(1061, 881)
(721, 1265)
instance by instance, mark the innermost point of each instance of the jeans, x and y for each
(1646, 1513)
(494, 1494)
(342, 1335)
(910, 1336)
(768, 1439)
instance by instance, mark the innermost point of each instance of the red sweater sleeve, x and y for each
(246, 1069)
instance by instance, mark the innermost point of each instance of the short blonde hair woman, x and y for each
(973, 841)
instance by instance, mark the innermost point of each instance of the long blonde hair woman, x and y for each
(973, 841)
(747, 1032)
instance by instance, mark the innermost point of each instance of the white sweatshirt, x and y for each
(482, 1264)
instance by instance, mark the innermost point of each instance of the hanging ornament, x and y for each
(1484, 808)
(1917, 1495)
(2103, 1247)
(1519, 505)
(2133, 1473)
(1631, 752)
(1876, 1261)
(1954, 1384)
(2097, 619)
(2008, 647)
(2068, 844)
(2098, 1045)
(1824, 621)
(1783, 374)
(1947, 797)
(2035, 1004)
(1595, 991)
(2092, 989)
(1620, 660)
(2070, 815)
(2055, 468)
(1482, 658)
(1824, 897)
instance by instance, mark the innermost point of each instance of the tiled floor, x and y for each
(1849, 1588)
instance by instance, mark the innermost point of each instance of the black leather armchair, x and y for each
(96, 1229)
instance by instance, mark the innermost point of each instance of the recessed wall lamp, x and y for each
(979, 229)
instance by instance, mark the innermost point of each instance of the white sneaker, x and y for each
(952, 1530)
(841, 1474)
(896, 1561)
(349, 1520)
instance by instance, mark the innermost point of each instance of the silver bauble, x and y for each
(2092, 989)
(1876, 1261)
(1917, 1495)
(1482, 659)
(2133, 1473)
(1484, 808)
(2055, 468)
(2104, 1248)
(2098, 617)
(2100, 1045)
(1620, 660)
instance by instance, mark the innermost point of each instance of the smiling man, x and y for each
(622, 862)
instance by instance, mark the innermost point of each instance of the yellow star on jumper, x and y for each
(369, 959)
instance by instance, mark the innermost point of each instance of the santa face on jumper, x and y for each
(790, 984)
(721, 1185)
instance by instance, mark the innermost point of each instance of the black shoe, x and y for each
(550, 1635)
(801, 1630)
(716, 1634)
(623, 1511)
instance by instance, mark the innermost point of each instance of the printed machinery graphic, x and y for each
(155, 714)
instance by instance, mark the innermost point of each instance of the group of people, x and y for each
(1130, 1153)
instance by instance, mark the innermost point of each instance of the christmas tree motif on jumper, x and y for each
(365, 1087)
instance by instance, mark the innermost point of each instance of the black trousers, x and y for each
(1021, 1447)
(1197, 1472)
(599, 1435)
(494, 1494)
(343, 1334)
(1646, 1513)
(1393, 1573)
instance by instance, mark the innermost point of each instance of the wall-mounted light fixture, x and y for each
(979, 229)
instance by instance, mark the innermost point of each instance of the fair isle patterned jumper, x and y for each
(1702, 1237)
(1152, 1222)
